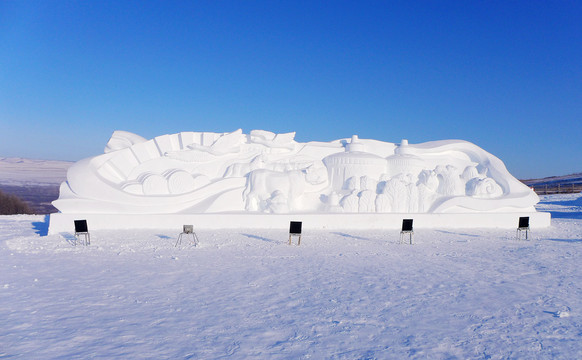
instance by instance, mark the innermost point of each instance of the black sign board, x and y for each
(407, 225)
(295, 227)
(81, 226)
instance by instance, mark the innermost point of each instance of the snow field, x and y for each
(462, 294)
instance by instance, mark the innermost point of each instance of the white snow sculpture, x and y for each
(367, 201)
(350, 203)
(450, 181)
(203, 172)
(354, 161)
(398, 191)
(470, 172)
(263, 184)
(427, 185)
(332, 203)
(404, 161)
(483, 188)
(121, 140)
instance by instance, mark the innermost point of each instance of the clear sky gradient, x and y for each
(505, 75)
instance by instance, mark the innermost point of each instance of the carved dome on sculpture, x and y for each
(404, 161)
(355, 161)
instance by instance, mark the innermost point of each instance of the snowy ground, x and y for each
(471, 294)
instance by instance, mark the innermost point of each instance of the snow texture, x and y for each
(462, 294)
(264, 172)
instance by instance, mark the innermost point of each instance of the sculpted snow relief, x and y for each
(263, 172)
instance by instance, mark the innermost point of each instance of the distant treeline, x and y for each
(12, 204)
(37, 197)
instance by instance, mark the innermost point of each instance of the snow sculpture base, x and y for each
(64, 222)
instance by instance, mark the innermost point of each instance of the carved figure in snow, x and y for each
(383, 203)
(225, 144)
(121, 140)
(242, 169)
(353, 183)
(272, 140)
(350, 202)
(367, 196)
(368, 183)
(367, 200)
(450, 181)
(262, 183)
(332, 202)
(484, 188)
(470, 172)
(277, 203)
(428, 184)
(397, 189)
(412, 193)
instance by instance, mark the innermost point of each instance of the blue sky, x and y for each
(505, 75)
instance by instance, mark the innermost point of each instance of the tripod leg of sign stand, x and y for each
(299, 242)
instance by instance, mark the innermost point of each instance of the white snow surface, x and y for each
(462, 294)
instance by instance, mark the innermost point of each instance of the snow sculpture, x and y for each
(263, 184)
(264, 172)
(355, 161)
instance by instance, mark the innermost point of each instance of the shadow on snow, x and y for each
(41, 227)
(251, 236)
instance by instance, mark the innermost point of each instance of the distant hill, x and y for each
(24, 172)
(556, 184)
(552, 180)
